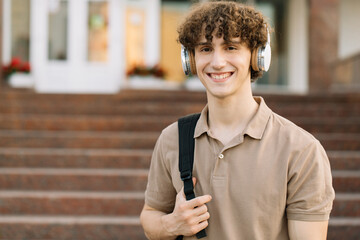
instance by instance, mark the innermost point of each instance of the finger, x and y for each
(194, 180)
(203, 217)
(200, 210)
(181, 195)
(198, 201)
(202, 225)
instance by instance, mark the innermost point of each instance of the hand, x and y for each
(188, 217)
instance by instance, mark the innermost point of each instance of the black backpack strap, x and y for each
(186, 127)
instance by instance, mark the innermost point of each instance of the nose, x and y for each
(218, 59)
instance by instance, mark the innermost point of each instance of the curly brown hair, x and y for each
(224, 19)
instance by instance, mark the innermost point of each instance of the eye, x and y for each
(232, 48)
(205, 49)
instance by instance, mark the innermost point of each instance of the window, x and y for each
(98, 31)
(58, 26)
(20, 29)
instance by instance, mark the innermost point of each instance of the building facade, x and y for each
(91, 46)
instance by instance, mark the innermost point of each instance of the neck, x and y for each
(229, 116)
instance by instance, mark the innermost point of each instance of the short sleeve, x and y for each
(310, 192)
(160, 193)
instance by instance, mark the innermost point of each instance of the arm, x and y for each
(302, 230)
(151, 220)
(188, 218)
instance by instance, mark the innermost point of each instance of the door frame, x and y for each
(76, 74)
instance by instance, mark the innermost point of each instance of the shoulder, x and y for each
(170, 133)
(290, 134)
(303, 148)
(168, 140)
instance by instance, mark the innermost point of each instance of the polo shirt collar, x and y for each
(254, 129)
(257, 124)
(202, 124)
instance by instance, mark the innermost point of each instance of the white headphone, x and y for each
(260, 58)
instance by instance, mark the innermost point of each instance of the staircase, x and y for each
(75, 166)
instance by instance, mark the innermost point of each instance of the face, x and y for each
(223, 67)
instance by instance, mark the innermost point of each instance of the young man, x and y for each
(256, 174)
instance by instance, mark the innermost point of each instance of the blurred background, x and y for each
(86, 86)
(97, 46)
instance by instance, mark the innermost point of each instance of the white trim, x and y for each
(117, 42)
(152, 32)
(38, 37)
(298, 57)
(6, 31)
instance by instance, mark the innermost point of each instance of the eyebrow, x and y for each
(224, 43)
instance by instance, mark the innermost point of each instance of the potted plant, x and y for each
(16, 73)
(141, 76)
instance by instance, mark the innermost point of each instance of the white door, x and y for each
(76, 45)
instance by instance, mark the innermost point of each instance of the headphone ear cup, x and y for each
(192, 63)
(261, 58)
(188, 61)
(254, 59)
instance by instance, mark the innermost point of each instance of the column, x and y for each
(298, 46)
(152, 32)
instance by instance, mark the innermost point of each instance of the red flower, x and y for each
(16, 65)
(15, 62)
(25, 67)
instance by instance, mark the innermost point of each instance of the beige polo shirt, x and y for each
(272, 172)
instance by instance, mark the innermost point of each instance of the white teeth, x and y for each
(220, 76)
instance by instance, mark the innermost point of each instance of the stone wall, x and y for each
(323, 43)
(1, 22)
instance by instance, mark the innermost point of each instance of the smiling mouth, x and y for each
(220, 77)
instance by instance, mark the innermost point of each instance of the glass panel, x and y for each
(20, 29)
(58, 24)
(171, 14)
(98, 31)
(275, 11)
(135, 32)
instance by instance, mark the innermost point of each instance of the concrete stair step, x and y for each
(317, 110)
(123, 96)
(78, 139)
(71, 203)
(159, 95)
(99, 107)
(74, 158)
(344, 228)
(339, 141)
(328, 124)
(346, 205)
(80, 203)
(72, 179)
(149, 123)
(344, 160)
(113, 158)
(133, 180)
(71, 227)
(131, 140)
(346, 181)
(121, 228)
(107, 109)
(85, 123)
